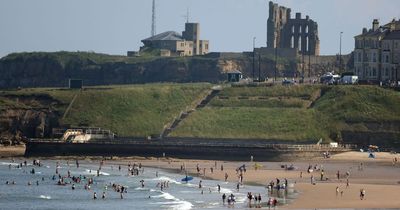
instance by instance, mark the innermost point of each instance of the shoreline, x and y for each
(12, 151)
(379, 177)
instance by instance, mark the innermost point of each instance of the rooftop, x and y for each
(393, 35)
(168, 35)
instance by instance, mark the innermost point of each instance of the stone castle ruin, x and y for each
(297, 33)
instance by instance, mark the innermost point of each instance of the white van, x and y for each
(349, 80)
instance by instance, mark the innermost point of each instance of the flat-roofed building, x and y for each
(187, 44)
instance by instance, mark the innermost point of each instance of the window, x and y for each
(374, 57)
(293, 29)
(292, 42)
(374, 72)
(206, 46)
(300, 29)
(307, 29)
(299, 44)
(359, 57)
(386, 71)
(387, 59)
(307, 45)
(182, 44)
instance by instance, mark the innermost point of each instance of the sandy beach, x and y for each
(378, 177)
(12, 151)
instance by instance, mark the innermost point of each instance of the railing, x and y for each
(213, 143)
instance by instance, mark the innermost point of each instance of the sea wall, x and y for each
(158, 149)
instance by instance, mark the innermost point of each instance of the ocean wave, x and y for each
(176, 205)
(47, 197)
(9, 163)
(142, 189)
(225, 190)
(166, 179)
(165, 196)
(94, 172)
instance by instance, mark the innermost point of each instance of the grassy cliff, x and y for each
(295, 113)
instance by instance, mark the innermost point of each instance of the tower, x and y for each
(153, 19)
(192, 33)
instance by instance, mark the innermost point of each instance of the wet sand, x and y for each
(379, 178)
(12, 151)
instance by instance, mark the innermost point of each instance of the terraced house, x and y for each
(377, 52)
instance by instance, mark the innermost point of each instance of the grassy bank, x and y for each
(288, 124)
(138, 110)
(297, 113)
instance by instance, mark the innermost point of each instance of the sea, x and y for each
(44, 192)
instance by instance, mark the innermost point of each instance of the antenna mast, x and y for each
(187, 15)
(153, 19)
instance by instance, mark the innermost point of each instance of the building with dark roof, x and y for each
(377, 52)
(185, 44)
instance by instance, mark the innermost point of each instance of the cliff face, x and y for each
(54, 69)
(34, 117)
(48, 70)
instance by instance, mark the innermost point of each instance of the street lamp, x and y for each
(340, 52)
(254, 49)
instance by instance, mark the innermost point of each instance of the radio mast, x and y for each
(153, 19)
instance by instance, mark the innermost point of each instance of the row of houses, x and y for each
(377, 52)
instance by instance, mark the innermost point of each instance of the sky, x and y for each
(116, 26)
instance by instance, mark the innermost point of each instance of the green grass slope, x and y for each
(138, 110)
(296, 113)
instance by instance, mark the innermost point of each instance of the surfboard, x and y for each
(188, 178)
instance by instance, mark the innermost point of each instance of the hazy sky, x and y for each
(115, 26)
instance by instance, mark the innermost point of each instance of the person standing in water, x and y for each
(94, 196)
(223, 199)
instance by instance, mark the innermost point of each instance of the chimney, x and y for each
(375, 25)
(364, 31)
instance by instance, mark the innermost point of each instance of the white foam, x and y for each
(177, 205)
(165, 196)
(94, 172)
(182, 205)
(47, 197)
(142, 189)
(9, 163)
(225, 190)
(166, 179)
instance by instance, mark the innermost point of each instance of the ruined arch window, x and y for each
(293, 29)
(299, 44)
(292, 42)
(306, 28)
(307, 45)
(300, 29)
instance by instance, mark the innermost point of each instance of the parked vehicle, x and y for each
(330, 79)
(349, 80)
